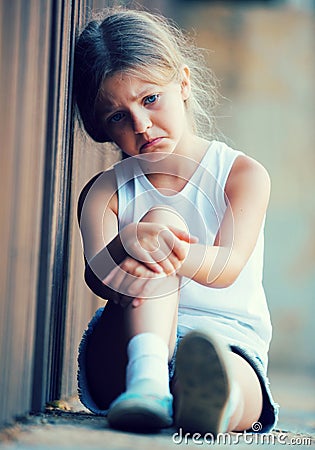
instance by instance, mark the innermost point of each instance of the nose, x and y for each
(141, 122)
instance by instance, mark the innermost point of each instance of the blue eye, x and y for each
(151, 99)
(116, 117)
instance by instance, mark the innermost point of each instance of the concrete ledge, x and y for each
(59, 429)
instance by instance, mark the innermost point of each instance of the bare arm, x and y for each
(97, 218)
(143, 248)
(247, 191)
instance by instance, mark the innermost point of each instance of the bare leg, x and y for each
(151, 330)
(106, 358)
(155, 316)
(158, 315)
(250, 403)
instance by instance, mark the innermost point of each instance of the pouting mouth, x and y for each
(150, 142)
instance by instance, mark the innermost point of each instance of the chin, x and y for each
(155, 155)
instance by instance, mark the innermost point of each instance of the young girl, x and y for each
(173, 239)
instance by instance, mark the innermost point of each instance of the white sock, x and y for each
(147, 369)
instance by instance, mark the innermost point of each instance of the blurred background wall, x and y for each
(263, 54)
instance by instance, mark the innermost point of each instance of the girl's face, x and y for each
(144, 117)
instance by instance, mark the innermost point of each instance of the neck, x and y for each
(173, 171)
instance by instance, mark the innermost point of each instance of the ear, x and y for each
(185, 83)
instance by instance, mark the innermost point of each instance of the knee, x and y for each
(165, 215)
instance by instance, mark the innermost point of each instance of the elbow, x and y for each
(94, 283)
(224, 281)
(229, 273)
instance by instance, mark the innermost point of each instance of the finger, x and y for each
(178, 247)
(161, 256)
(144, 256)
(136, 269)
(120, 278)
(115, 297)
(167, 253)
(175, 261)
(108, 281)
(168, 266)
(137, 302)
(136, 287)
(117, 278)
(133, 288)
(159, 287)
(142, 271)
(125, 300)
(111, 276)
(183, 235)
(136, 275)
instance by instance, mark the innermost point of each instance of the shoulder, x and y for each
(99, 190)
(247, 174)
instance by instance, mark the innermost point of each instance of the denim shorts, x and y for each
(269, 415)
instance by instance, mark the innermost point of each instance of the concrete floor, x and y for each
(76, 429)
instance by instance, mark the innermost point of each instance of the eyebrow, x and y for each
(146, 91)
(105, 110)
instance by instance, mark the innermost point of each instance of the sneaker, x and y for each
(141, 412)
(202, 385)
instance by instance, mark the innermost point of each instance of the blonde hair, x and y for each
(139, 42)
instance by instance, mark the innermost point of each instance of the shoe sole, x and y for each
(203, 385)
(138, 415)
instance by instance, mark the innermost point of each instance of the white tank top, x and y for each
(238, 314)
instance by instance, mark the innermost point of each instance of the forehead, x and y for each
(124, 85)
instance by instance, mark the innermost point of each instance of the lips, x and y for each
(150, 143)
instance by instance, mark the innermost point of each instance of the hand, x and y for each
(159, 247)
(133, 283)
